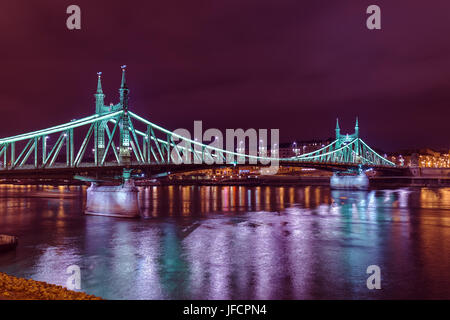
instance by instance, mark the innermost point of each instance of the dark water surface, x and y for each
(220, 242)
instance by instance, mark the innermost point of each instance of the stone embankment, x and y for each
(13, 288)
(7, 242)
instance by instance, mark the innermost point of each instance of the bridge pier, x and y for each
(357, 181)
(113, 201)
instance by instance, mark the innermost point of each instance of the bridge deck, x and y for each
(148, 170)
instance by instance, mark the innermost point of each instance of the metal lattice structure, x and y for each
(118, 136)
(346, 149)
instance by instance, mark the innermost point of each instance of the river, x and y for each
(231, 242)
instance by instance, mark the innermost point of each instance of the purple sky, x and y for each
(293, 65)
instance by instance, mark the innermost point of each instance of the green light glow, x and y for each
(346, 149)
(62, 127)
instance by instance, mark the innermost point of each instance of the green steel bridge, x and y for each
(115, 140)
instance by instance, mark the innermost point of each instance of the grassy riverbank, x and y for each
(13, 288)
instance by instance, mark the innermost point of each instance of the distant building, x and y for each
(424, 158)
(296, 148)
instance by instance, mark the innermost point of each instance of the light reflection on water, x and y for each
(231, 242)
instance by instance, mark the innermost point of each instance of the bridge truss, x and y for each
(116, 136)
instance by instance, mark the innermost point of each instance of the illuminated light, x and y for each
(62, 127)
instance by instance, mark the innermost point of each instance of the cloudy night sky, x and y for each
(293, 65)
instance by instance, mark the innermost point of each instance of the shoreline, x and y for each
(14, 288)
(377, 182)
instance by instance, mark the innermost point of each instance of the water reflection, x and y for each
(188, 201)
(235, 242)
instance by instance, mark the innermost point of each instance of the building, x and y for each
(423, 158)
(296, 148)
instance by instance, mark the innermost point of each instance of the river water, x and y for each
(231, 242)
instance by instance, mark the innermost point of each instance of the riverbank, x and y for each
(277, 180)
(13, 288)
(7, 242)
(375, 182)
(400, 182)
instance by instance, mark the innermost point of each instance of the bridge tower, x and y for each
(357, 139)
(124, 149)
(342, 139)
(100, 127)
(346, 179)
(116, 201)
(338, 132)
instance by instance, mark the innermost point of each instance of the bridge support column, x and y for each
(114, 201)
(350, 182)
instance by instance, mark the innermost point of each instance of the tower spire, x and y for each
(357, 127)
(124, 148)
(123, 90)
(123, 84)
(99, 83)
(99, 96)
(338, 130)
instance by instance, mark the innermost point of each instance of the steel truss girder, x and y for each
(350, 152)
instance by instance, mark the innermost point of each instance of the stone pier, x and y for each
(355, 182)
(113, 201)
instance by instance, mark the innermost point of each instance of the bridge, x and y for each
(115, 142)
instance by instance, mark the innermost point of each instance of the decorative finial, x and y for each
(337, 123)
(99, 83)
(356, 125)
(123, 85)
